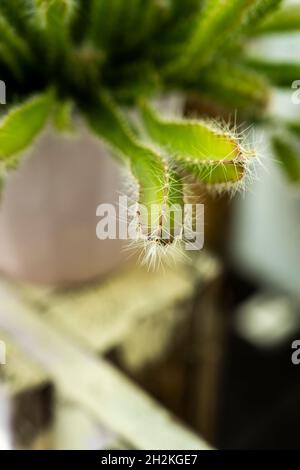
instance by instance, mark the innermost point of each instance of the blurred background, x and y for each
(97, 348)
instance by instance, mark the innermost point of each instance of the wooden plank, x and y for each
(20, 373)
(29, 400)
(100, 316)
(93, 382)
(75, 428)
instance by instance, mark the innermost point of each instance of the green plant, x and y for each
(102, 58)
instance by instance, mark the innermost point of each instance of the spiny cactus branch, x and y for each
(102, 58)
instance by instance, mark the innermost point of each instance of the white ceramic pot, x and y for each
(48, 211)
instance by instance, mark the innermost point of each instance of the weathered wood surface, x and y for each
(51, 328)
(20, 373)
(27, 391)
(100, 316)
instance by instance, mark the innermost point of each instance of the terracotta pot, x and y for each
(48, 211)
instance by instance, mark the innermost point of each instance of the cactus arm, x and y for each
(62, 116)
(13, 40)
(285, 19)
(260, 10)
(157, 186)
(218, 21)
(53, 19)
(288, 157)
(105, 15)
(20, 127)
(281, 74)
(211, 155)
(235, 85)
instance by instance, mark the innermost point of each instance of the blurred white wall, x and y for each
(266, 233)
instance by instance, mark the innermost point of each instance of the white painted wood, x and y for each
(19, 373)
(101, 315)
(5, 428)
(93, 382)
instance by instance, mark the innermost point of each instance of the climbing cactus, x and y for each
(104, 58)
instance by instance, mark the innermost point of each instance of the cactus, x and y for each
(104, 58)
